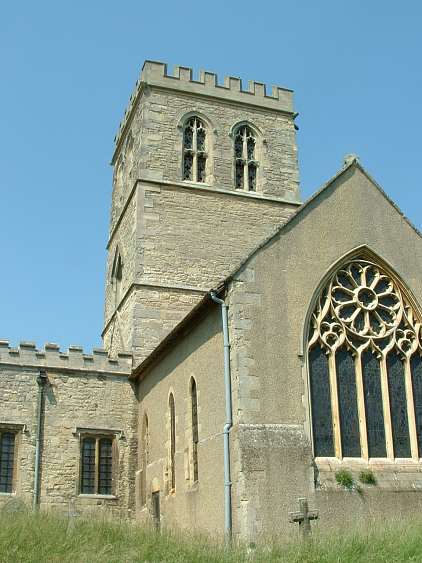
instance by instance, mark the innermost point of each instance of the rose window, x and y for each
(366, 300)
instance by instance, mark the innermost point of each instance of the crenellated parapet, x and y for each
(51, 357)
(155, 74)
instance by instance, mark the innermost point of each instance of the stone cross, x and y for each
(72, 514)
(303, 517)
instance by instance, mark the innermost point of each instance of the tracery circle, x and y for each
(366, 300)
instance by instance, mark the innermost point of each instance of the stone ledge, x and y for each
(75, 358)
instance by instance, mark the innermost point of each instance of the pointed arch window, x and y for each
(194, 150)
(117, 277)
(245, 162)
(144, 460)
(172, 451)
(195, 432)
(365, 367)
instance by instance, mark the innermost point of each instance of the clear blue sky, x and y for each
(68, 68)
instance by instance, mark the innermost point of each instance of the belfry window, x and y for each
(245, 162)
(365, 367)
(194, 150)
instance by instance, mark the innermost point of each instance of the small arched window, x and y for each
(117, 277)
(365, 366)
(194, 150)
(172, 460)
(195, 433)
(245, 162)
(144, 459)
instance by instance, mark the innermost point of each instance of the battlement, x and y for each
(51, 357)
(155, 74)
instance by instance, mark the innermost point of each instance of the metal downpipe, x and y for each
(229, 419)
(41, 381)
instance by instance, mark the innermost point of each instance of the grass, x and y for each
(45, 538)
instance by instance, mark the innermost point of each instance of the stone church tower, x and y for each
(202, 173)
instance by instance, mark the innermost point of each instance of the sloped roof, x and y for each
(187, 323)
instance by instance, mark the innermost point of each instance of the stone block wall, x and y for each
(84, 393)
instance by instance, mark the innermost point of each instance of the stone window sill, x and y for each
(383, 464)
(389, 474)
(7, 494)
(104, 497)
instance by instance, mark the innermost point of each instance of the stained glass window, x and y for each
(348, 407)
(321, 402)
(245, 162)
(194, 150)
(7, 461)
(373, 405)
(416, 370)
(97, 465)
(364, 357)
(398, 405)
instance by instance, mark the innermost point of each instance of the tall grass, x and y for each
(47, 538)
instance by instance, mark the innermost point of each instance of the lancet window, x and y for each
(172, 452)
(144, 461)
(194, 150)
(245, 162)
(117, 278)
(365, 367)
(195, 433)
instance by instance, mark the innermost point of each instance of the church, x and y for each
(257, 349)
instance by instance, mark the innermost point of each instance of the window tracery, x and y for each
(194, 150)
(365, 367)
(245, 159)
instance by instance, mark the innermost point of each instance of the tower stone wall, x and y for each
(178, 238)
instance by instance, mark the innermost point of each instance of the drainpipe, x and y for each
(42, 380)
(229, 419)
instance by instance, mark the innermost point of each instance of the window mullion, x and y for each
(386, 408)
(361, 407)
(334, 405)
(411, 410)
(245, 160)
(195, 154)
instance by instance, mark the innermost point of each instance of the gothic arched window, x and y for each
(245, 162)
(172, 452)
(195, 433)
(144, 460)
(365, 367)
(117, 277)
(194, 150)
